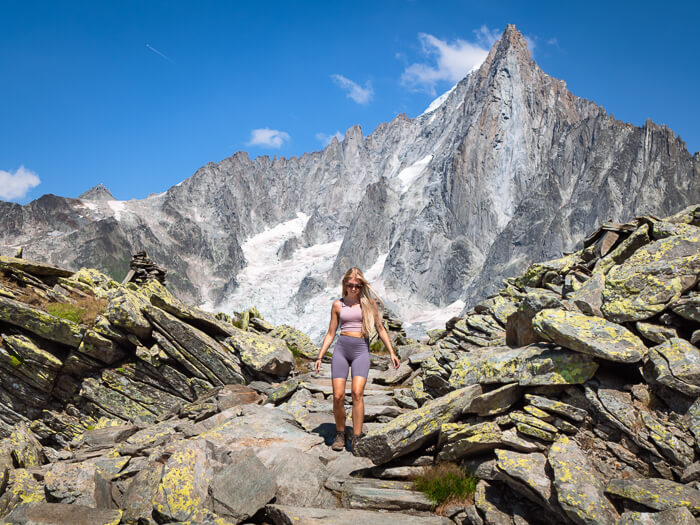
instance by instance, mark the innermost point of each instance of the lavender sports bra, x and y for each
(350, 317)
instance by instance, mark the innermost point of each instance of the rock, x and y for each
(519, 417)
(538, 364)
(411, 430)
(394, 376)
(234, 395)
(23, 447)
(21, 357)
(655, 333)
(589, 298)
(460, 441)
(62, 514)
(297, 341)
(519, 330)
(691, 473)
(101, 348)
(579, 491)
(688, 307)
(22, 488)
(626, 248)
(107, 436)
(656, 493)
(137, 502)
(589, 335)
(34, 267)
(283, 392)
(670, 446)
(284, 515)
(125, 311)
(677, 516)
(299, 478)
(383, 495)
(496, 401)
(676, 364)
(502, 308)
(80, 484)
(263, 353)
(242, 487)
(557, 407)
(655, 275)
(40, 323)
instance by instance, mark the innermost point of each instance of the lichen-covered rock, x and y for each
(101, 348)
(394, 376)
(688, 307)
(125, 311)
(286, 515)
(557, 407)
(263, 353)
(496, 401)
(411, 430)
(80, 484)
(23, 447)
(656, 493)
(589, 297)
(502, 308)
(589, 335)
(655, 333)
(537, 364)
(297, 341)
(676, 364)
(670, 446)
(22, 358)
(137, 502)
(62, 514)
(35, 267)
(626, 248)
(579, 491)
(282, 392)
(40, 323)
(654, 276)
(677, 516)
(463, 440)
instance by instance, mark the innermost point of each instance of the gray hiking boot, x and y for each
(339, 441)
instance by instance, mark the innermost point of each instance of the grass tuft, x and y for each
(84, 311)
(446, 484)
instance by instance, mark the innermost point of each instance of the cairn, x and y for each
(142, 269)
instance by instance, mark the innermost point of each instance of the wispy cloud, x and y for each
(487, 37)
(271, 138)
(553, 42)
(451, 61)
(325, 139)
(163, 55)
(16, 185)
(361, 95)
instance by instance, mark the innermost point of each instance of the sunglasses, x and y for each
(358, 286)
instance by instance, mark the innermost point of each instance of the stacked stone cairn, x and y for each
(142, 269)
(572, 394)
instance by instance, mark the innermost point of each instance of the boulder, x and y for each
(263, 353)
(557, 407)
(667, 442)
(655, 333)
(23, 447)
(80, 484)
(22, 358)
(125, 311)
(677, 516)
(654, 276)
(589, 297)
(656, 493)
(34, 267)
(589, 335)
(297, 341)
(62, 514)
(101, 348)
(496, 401)
(285, 515)
(537, 364)
(394, 376)
(383, 495)
(411, 430)
(40, 323)
(688, 307)
(676, 364)
(579, 491)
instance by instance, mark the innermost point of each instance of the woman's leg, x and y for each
(358, 404)
(339, 403)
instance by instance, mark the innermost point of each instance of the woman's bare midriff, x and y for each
(352, 334)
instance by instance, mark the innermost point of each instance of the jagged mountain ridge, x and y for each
(439, 207)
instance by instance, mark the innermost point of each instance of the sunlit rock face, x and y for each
(510, 168)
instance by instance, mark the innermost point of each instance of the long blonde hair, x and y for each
(368, 299)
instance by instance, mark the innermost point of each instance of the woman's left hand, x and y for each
(395, 361)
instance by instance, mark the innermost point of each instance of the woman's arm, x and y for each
(330, 334)
(381, 332)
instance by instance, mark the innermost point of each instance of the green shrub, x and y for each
(446, 483)
(66, 311)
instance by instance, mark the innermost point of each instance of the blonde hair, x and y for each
(368, 299)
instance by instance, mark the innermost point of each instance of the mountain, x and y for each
(509, 168)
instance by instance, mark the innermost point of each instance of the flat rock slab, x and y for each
(535, 365)
(40, 323)
(579, 491)
(394, 376)
(677, 516)
(589, 335)
(61, 514)
(283, 515)
(263, 353)
(676, 365)
(656, 493)
(34, 267)
(384, 496)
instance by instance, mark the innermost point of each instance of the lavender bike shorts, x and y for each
(350, 352)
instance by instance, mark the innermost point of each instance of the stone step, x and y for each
(383, 494)
(286, 515)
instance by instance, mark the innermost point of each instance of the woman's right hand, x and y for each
(317, 366)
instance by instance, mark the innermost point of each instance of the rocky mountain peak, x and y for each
(97, 193)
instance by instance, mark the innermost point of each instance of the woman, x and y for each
(358, 316)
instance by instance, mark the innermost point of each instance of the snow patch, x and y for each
(407, 176)
(118, 207)
(438, 101)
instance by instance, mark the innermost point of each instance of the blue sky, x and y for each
(139, 94)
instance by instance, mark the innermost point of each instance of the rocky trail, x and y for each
(571, 394)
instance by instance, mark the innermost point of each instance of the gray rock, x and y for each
(283, 515)
(40, 323)
(79, 484)
(676, 364)
(656, 493)
(496, 401)
(394, 376)
(579, 491)
(263, 353)
(61, 514)
(557, 407)
(383, 495)
(655, 333)
(688, 307)
(677, 516)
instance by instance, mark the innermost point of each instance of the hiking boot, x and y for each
(339, 442)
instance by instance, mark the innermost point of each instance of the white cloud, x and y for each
(16, 185)
(326, 139)
(452, 62)
(553, 41)
(272, 138)
(487, 37)
(361, 95)
(530, 44)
